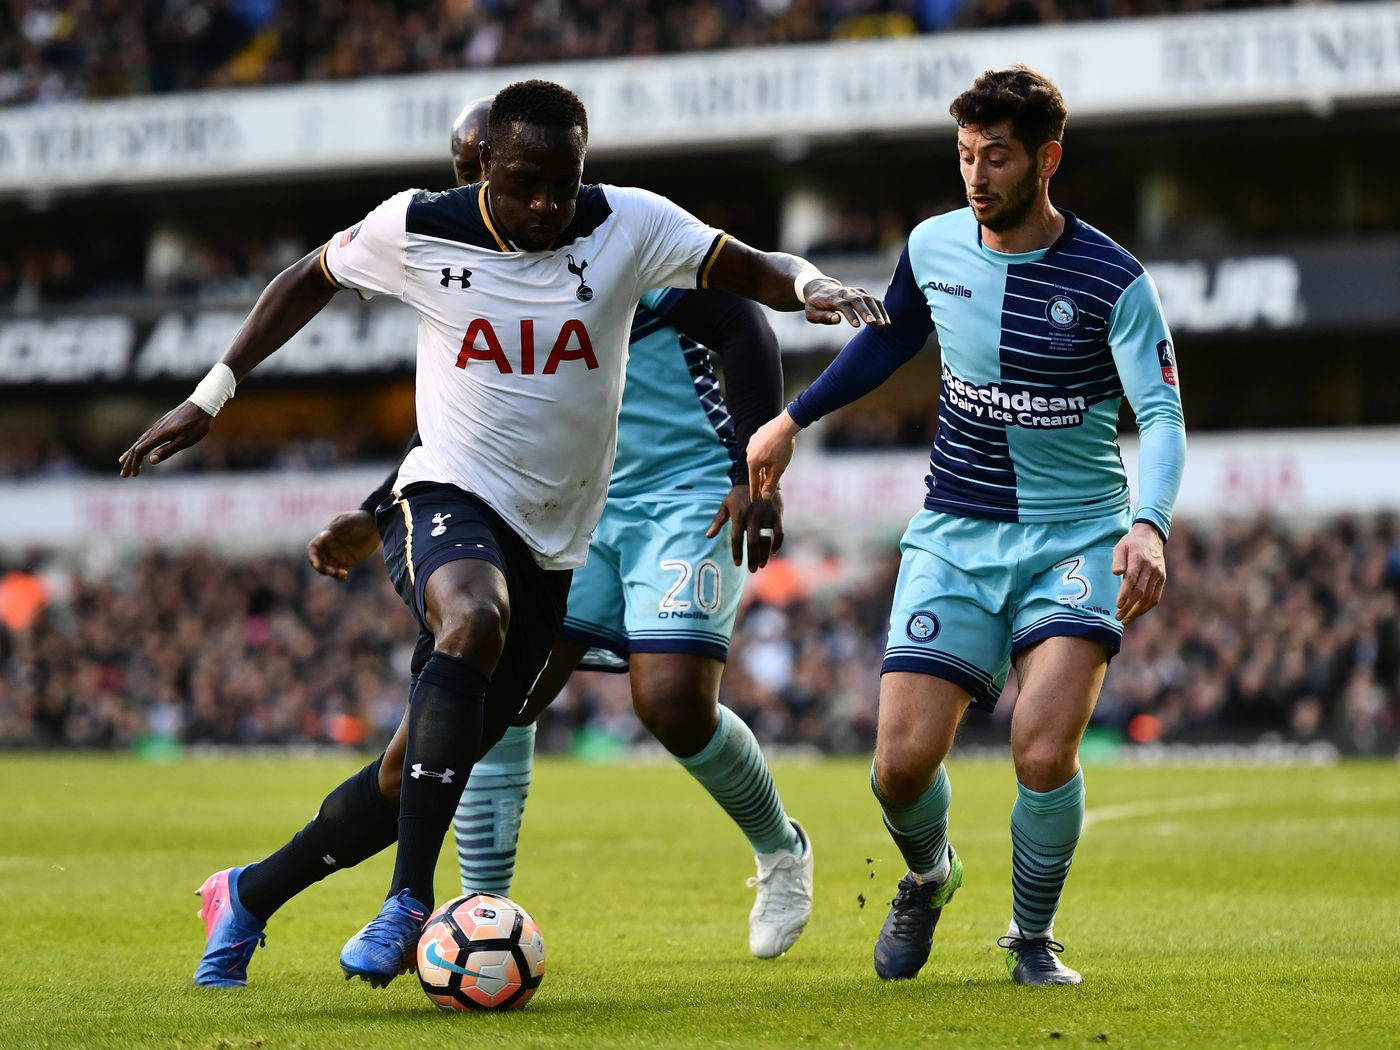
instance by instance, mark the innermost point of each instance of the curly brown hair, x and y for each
(1019, 94)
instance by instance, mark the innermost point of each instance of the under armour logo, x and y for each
(330, 861)
(464, 277)
(440, 520)
(419, 771)
(585, 293)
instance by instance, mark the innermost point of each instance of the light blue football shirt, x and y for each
(1038, 351)
(674, 431)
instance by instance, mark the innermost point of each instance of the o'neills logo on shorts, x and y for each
(1014, 406)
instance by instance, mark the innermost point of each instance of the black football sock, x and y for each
(444, 740)
(354, 823)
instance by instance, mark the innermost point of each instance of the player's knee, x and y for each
(472, 628)
(1043, 764)
(902, 775)
(683, 725)
(390, 780)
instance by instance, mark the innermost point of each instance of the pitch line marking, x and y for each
(1191, 803)
(1156, 807)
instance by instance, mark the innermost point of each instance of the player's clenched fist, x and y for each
(828, 301)
(349, 539)
(770, 451)
(1140, 559)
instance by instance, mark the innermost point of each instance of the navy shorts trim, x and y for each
(677, 643)
(984, 691)
(1067, 627)
(593, 637)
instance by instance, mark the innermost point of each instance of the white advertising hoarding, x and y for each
(1307, 57)
(847, 498)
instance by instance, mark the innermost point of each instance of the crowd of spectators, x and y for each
(24, 456)
(867, 428)
(56, 270)
(61, 49)
(28, 458)
(1266, 630)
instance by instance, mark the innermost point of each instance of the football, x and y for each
(480, 952)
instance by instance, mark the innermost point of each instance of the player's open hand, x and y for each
(760, 522)
(349, 539)
(769, 453)
(1141, 561)
(830, 302)
(181, 427)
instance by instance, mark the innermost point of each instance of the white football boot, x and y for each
(782, 900)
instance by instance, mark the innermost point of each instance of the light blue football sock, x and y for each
(1045, 829)
(732, 769)
(920, 829)
(487, 824)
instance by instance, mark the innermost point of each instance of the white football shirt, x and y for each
(521, 355)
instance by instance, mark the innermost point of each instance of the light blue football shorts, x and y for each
(654, 584)
(973, 592)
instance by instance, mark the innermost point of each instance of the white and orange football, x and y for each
(481, 952)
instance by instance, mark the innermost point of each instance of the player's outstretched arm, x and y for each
(352, 536)
(295, 296)
(789, 282)
(737, 332)
(871, 357)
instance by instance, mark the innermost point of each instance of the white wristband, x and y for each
(214, 389)
(803, 279)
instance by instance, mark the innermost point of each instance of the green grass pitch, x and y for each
(1207, 907)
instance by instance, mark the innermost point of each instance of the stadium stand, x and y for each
(104, 48)
(1265, 630)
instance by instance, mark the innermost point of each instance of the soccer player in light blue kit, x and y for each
(660, 590)
(1044, 325)
(659, 595)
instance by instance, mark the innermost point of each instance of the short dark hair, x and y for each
(1019, 94)
(539, 102)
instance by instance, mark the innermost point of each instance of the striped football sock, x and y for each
(920, 829)
(487, 823)
(1044, 831)
(732, 769)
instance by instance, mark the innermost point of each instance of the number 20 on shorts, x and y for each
(706, 590)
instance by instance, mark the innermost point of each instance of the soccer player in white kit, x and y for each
(525, 288)
(679, 453)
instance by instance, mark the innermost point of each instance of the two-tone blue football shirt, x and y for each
(1038, 350)
(673, 429)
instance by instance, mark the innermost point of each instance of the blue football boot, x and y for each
(906, 938)
(386, 946)
(1035, 960)
(231, 933)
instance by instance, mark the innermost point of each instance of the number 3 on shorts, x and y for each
(708, 584)
(1079, 587)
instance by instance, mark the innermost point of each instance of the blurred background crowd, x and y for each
(1266, 630)
(69, 456)
(31, 457)
(62, 49)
